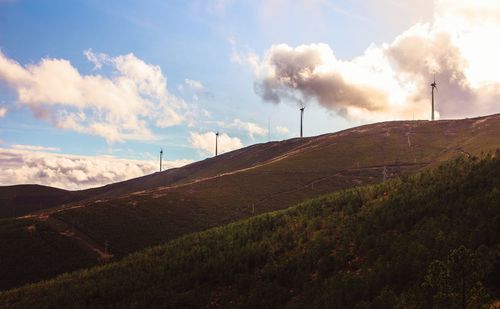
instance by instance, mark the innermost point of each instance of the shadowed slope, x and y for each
(153, 209)
(20, 200)
(375, 246)
(309, 167)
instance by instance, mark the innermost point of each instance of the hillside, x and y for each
(150, 210)
(426, 240)
(44, 252)
(309, 167)
(20, 200)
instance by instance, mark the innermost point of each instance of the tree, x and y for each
(456, 281)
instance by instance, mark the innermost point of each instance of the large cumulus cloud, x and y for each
(460, 47)
(117, 106)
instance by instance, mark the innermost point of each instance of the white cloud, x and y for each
(23, 166)
(251, 128)
(282, 130)
(193, 90)
(392, 80)
(34, 148)
(117, 108)
(3, 111)
(98, 59)
(205, 142)
(194, 84)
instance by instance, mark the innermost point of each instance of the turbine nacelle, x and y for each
(433, 86)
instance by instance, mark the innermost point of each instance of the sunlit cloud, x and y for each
(251, 128)
(205, 142)
(34, 147)
(392, 80)
(120, 107)
(282, 130)
(34, 165)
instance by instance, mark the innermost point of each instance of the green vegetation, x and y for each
(424, 241)
(293, 171)
(255, 180)
(31, 251)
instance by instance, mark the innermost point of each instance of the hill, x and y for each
(132, 215)
(429, 240)
(33, 250)
(20, 200)
(243, 183)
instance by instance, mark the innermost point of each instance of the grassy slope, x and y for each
(293, 171)
(369, 246)
(332, 162)
(20, 200)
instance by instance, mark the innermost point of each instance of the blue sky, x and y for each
(218, 62)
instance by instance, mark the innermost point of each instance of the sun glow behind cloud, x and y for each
(391, 81)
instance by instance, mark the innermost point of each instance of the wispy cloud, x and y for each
(34, 148)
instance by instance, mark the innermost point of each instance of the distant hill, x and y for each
(19, 200)
(428, 240)
(134, 214)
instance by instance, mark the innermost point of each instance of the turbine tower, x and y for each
(301, 119)
(161, 156)
(216, 140)
(433, 86)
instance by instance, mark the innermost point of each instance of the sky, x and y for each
(91, 90)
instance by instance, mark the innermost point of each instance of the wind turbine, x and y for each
(433, 86)
(301, 119)
(161, 156)
(216, 140)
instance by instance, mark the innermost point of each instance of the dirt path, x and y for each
(68, 230)
(310, 184)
